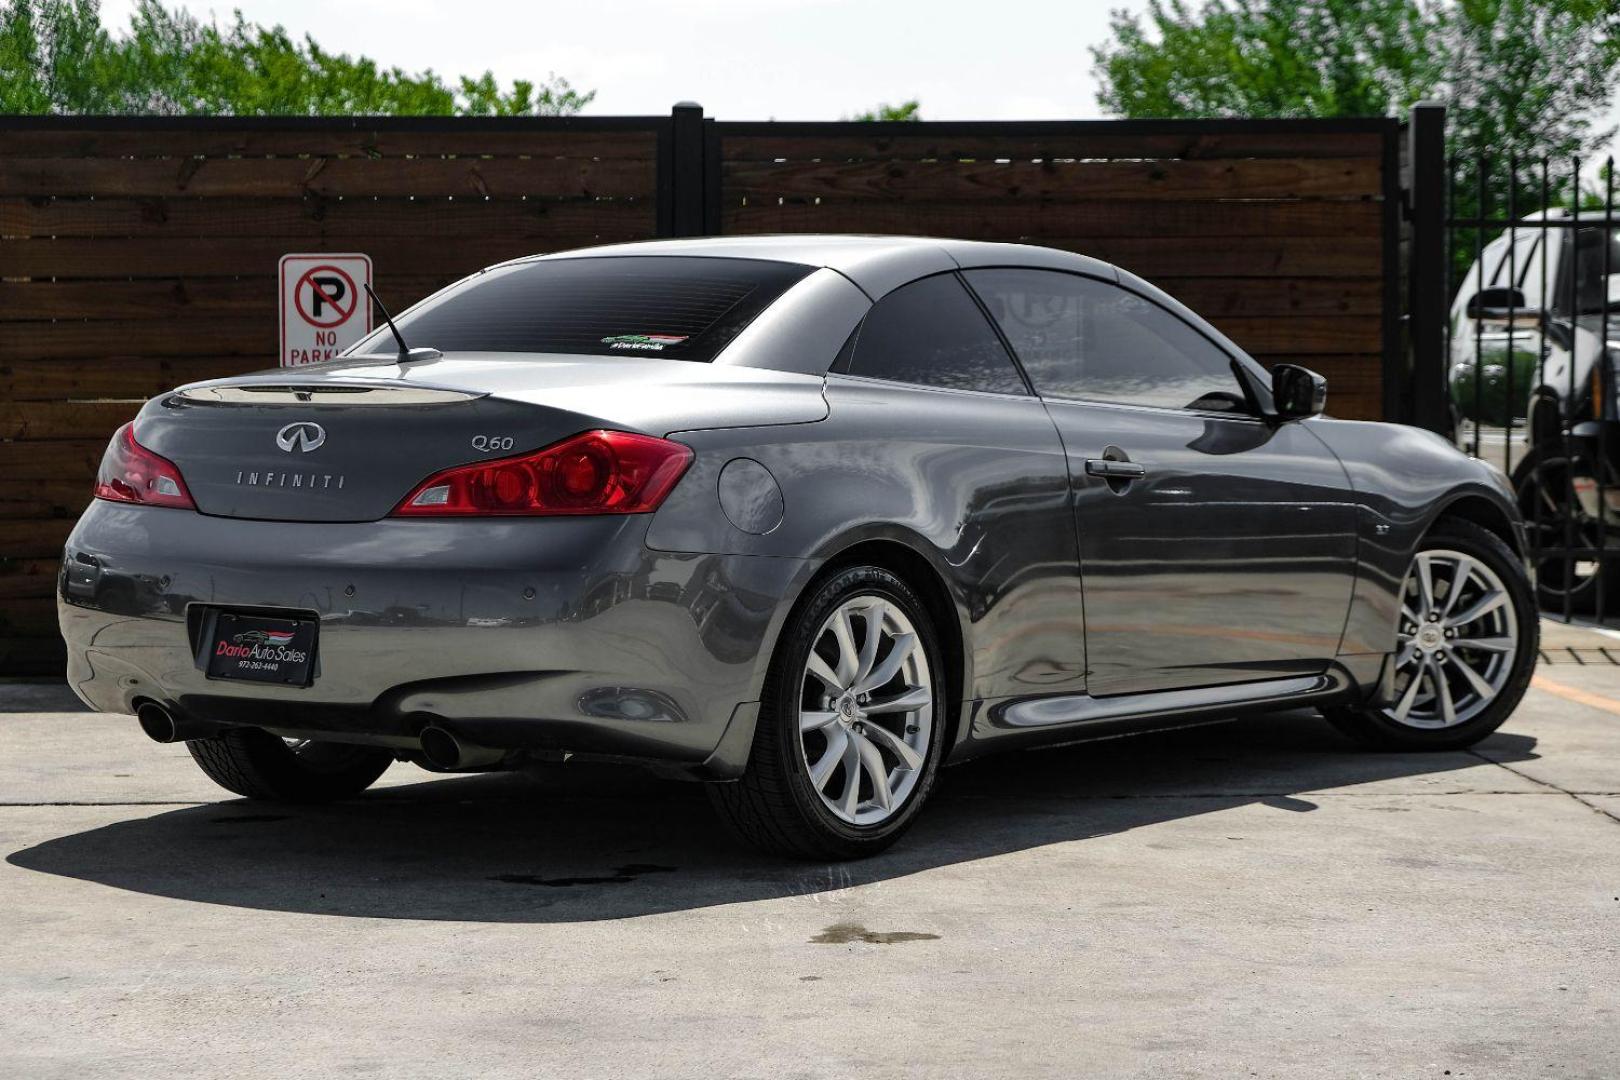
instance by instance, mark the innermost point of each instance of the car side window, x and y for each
(1078, 337)
(931, 333)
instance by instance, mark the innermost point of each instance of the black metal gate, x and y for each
(1529, 257)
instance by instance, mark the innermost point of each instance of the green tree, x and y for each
(1522, 78)
(55, 57)
(906, 110)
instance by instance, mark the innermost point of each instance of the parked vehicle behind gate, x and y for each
(1532, 352)
(803, 517)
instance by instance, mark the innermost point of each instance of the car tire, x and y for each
(258, 765)
(1540, 483)
(814, 710)
(1514, 619)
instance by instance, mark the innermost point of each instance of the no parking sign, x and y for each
(324, 308)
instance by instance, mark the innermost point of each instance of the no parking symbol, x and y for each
(323, 306)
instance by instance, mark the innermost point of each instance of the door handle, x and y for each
(1115, 470)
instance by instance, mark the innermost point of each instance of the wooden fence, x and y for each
(137, 254)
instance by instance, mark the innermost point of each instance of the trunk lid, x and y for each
(349, 440)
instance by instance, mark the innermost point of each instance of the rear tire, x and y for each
(258, 765)
(1455, 712)
(844, 755)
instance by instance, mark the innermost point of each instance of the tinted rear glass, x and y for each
(680, 307)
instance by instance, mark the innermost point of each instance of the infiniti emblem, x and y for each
(303, 436)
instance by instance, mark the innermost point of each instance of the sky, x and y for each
(739, 59)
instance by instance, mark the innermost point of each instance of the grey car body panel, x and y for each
(559, 633)
(1403, 478)
(651, 636)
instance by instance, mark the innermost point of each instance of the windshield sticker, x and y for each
(649, 342)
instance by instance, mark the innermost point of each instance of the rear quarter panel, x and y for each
(974, 483)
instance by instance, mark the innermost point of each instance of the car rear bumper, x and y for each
(559, 634)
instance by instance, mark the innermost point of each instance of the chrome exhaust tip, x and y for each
(158, 723)
(443, 750)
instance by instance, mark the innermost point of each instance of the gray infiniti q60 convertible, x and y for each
(806, 517)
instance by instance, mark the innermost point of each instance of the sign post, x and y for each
(324, 308)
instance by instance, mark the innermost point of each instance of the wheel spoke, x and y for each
(1485, 644)
(1404, 706)
(913, 698)
(882, 673)
(1465, 568)
(815, 720)
(1477, 682)
(1478, 609)
(909, 758)
(1442, 686)
(1425, 583)
(851, 797)
(818, 667)
(849, 660)
(1407, 655)
(872, 762)
(1411, 616)
(837, 743)
(869, 647)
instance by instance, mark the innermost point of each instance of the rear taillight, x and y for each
(598, 472)
(133, 474)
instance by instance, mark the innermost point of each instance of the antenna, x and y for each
(406, 353)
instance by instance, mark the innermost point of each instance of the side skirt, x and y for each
(1075, 717)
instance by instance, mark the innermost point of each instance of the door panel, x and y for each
(1231, 556)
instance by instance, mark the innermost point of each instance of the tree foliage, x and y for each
(1522, 78)
(906, 110)
(56, 57)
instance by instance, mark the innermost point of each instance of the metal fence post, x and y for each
(687, 170)
(1428, 276)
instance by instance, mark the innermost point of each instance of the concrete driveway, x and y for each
(1257, 898)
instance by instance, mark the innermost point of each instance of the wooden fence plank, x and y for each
(179, 298)
(1296, 335)
(955, 147)
(327, 220)
(45, 420)
(196, 336)
(24, 461)
(128, 378)
(33, 655)
(1032, 219)
(256, 257)
(126, 143)
(30, 538)
(1350, 178)
(28, 616)
(296, 177)
(28, 577)
(1155, 257)
(1212, 297)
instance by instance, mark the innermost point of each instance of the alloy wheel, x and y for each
(866, 710)
(1458, 639)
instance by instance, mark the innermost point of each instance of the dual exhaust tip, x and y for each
(443, 749)
(163, 726)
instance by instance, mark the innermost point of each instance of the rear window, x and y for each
(680, 307)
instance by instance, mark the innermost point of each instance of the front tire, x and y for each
(1469, 635)
(851, 725)
(258, 765)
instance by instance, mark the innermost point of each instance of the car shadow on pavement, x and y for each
(588, 842)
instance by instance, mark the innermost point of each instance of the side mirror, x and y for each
(1297, 392)
(1500, 304)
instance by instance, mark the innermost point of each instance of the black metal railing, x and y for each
(1529, 261)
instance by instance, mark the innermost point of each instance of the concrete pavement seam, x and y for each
(1596, 809)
